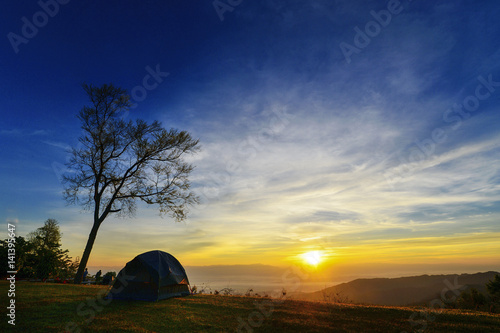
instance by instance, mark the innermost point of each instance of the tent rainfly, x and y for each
(151, 276)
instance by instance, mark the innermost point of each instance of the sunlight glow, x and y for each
(313, 257)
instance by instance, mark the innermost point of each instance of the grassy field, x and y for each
(45, 307)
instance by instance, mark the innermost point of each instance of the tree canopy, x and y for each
(40, 255)
(46, 244)
(493, 287)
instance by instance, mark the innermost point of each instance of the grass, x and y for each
(46, 307)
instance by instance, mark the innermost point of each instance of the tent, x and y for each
(151, 276)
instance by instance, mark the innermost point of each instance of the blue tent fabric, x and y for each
(151, 276)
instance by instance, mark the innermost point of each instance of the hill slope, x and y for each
(403, 291)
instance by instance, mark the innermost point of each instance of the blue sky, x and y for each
(365, 157)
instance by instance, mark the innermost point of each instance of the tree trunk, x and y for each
(86, 253)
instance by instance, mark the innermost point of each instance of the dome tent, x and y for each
(151, 276)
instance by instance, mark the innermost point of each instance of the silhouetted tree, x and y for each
(21, 258)
(39, 255)
(472, 300)
(119, 162)
(493, 287)
(47, 258)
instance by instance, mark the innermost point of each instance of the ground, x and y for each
(47, 307)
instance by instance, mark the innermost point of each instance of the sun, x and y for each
(313, 257)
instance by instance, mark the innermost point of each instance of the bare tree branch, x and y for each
(120, 162)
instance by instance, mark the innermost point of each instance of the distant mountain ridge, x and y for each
(413, 290)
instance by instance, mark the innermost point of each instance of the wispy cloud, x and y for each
(16, 132)
(56, 144)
